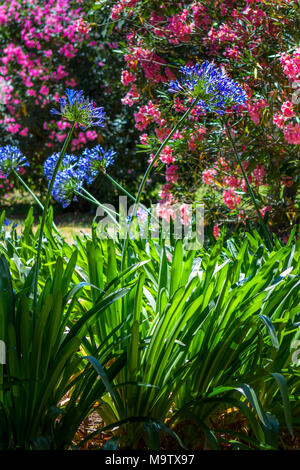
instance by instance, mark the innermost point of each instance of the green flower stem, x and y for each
(85, 197)
(45, 211)
(126, 192)
(119, 186)
(92, 198)
(147, 173)
(28, 189)
(34, 197)
(263, 225)
(89, 197)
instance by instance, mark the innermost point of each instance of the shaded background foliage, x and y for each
(100, 82)
(245, 37)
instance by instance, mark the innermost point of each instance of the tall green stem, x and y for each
(119, 186)
(45, 211)
(28, 189)
(147, 173)
(89, 197)
(263, 225)
(126, 192)
(34, 197)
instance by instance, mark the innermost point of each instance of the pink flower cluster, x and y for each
(44, 27)
(291, 64)
(287, 112)
(146, 115)
(179, 28)
(172, 173)
(127, 77)
(121, 6)
(168, 207)
(255, 109)
(167, 156)
(231, 199)
(131, 97)
(291, 132)
(221, 175)
(82, 26)
(241, 33)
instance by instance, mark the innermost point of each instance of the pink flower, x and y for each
(146, 115)
(165, 192)
(82, 26)
(166, 211)
(231, 199)
(216, 231)
(162, 133)
(91, 135)
(232, 182)
(127, 77)
(291, 64)
(279, 120)
(259, 173)
(171, 174)
(44, 90)
(292, 134)
(185, 214)
(255, 108)
(24, 132)
(287, 109)
(264, 210)
(192, 146)
(144, 139)
(151, 158)
(167, 156)
(61, 137)
(131, 97)
(208, 176)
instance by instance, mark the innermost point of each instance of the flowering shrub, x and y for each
(49, 47)
(46, 47)
(255, 43)
(34, 62)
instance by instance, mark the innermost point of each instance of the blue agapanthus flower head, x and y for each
(74, 107)
(67, 162)
(67, 183)
(75, 171)
(95, 160)
(212, 88)
(11, 159)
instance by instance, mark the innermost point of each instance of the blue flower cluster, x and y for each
(67, 183)
(11, 159)
(75, 171)
(212, 88)
(76, 108)
(96, 160)
(67, 162)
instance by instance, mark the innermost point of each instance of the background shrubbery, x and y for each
(123, 53)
